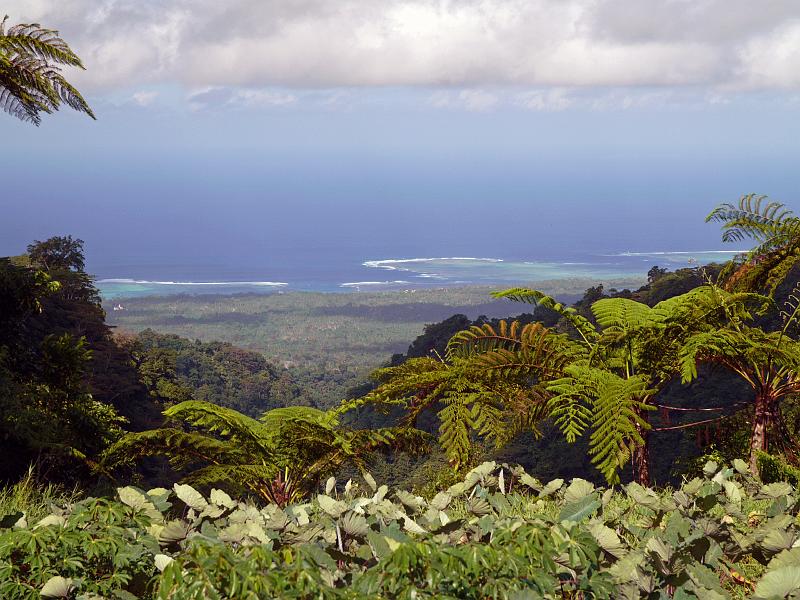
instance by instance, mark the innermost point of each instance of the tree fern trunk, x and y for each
(641, 456)
(764, 416)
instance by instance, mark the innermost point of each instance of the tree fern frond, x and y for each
(618, 405)
(224, 421)
(582, 325)
(569, 407)
(483, 338)
(273, 419)
(622, 315)
(755, 217)
(34, 40)
(454, 429)
(254, 478)
(30, 79)
(180, 446)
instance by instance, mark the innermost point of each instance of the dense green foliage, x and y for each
(329, 343)
(496, 382)
(31, 82)
(176, 369)
(499, 533)
(281, 457)
(776, 232)
(50, 329)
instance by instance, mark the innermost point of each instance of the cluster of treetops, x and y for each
(621, 385)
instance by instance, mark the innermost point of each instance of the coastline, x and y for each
(110, 292)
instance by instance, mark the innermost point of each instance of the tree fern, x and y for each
(30, 76)
(776, 232)
(297, 445)
(768, 362)
(581, 324)
(621, 315)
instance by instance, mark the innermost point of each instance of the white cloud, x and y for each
(261, 98)
(144, 98)
(465, 44)
(474, 100)
(545, 100)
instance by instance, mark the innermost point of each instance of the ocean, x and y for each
(327, 274)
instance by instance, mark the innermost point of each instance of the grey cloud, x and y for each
(719, 44)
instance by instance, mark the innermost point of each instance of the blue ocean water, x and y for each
(327, 274)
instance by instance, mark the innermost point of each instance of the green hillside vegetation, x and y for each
(498, 533)
(328, 342)
(175, 369)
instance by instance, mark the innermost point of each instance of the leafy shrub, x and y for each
(498, 534)
(773, 468)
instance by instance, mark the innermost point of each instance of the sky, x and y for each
(246, 129)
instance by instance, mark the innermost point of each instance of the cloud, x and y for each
(545, 100)
(466, 44)
(144, 98)
(474, 100)
(216, 97)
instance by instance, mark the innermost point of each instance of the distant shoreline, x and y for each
(621, 270)
(203, 290)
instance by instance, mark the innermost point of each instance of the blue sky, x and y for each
(244, 127)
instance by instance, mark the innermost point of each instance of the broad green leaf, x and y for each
(190, 496)
(354, 524)
(173, 531)
(51, 520)
(777, 540)
(551, 488)
(578, 489)
(370, 481)
(161, 561)
(478, 506)
(412, 527)
(483, 469)
(734, 491)
(441, 500)
(410, 500)
(58, 587)
(220, 498)
(530, 482)
(330, 485)
(778, 583)
(775, 490)
(334, 508)
(577, 511)
(607, 539)
(380, 493)
(379, 544)
(642, 495)
(787, 558)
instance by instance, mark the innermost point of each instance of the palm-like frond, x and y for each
(250, 434)
(282, 456)
(613, 405)
(776, 232)
(621, 315)
(182, 447)
(581, 324)
(511, 350)
(31, 82)
(755, 217)
(748, 351)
